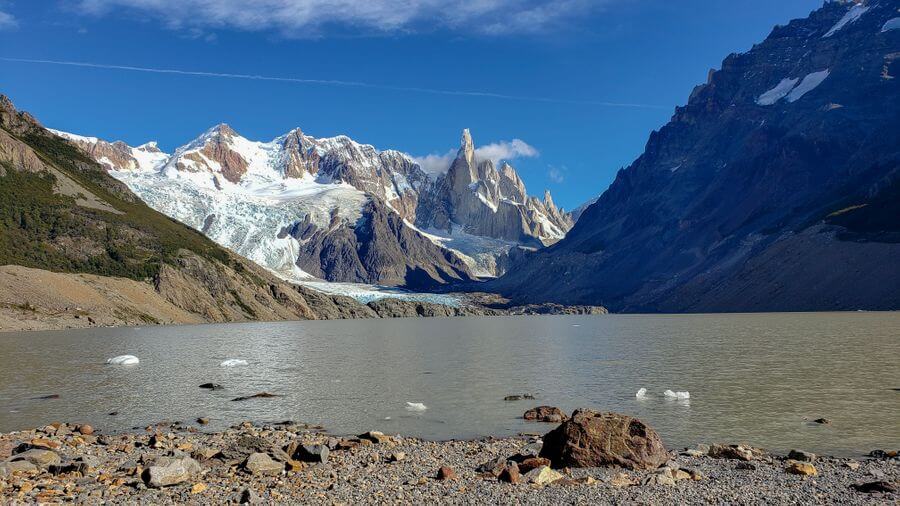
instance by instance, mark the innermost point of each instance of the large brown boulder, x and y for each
(595, 439)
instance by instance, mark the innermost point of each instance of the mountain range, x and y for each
(338, 210)
(776, 188)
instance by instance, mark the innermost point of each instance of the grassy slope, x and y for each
(36, 223)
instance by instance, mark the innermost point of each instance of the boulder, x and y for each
(596, 439)
(518, 397)
(311, 453)
(801, 468)
(548, 414)
(171, 471)
(262, 464)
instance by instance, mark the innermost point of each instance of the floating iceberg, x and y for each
(677, 395)
(123, 360)
(641, 394)
(416, 406)
(233, 362)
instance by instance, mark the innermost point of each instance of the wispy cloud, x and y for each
(437, 163)
(305, 18)
(332, 82)
(7, 21)
(557, 174)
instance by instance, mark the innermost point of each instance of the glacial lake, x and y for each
(755, 378)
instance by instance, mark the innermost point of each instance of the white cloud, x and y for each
(7, 21)
(309, 18)
(434, 163)
(556, 174)
(504, 150)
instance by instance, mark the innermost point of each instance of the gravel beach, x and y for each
(296, 463)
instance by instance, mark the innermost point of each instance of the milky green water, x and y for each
(755, 378)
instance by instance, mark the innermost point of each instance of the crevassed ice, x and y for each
(777, 93)
(809, 83)
(852, 15)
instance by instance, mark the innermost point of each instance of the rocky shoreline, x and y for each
(297, 463)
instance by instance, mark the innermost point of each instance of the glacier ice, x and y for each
(123, 360)
(233, 362)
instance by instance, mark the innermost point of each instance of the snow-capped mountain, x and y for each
(339, 210)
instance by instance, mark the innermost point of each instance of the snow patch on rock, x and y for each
(852, 15)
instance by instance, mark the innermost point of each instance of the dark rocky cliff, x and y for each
(775, 188)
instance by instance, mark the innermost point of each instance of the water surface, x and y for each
(757, 378)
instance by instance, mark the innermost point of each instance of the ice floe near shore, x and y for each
(677, 395)
(416, 406)
(123, 360)
(233, 362)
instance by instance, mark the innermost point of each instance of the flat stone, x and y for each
(18, 466)
(262, 464)
(533, 463)
(542, 475)
(40, 458)
(802, 456)
(549, 414)
(734, 452)
(171, 471)
(375, 437)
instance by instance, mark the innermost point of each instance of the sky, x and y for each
(567, 90)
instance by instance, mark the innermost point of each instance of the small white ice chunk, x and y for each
(892, 24)
(123, 360)
(233, 362)
(416, 406)
(777, 93)
(809, 83)
(677, 395)
(641, 394)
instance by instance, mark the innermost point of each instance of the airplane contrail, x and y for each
(333, 82)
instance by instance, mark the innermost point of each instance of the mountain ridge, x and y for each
(770, 190)
(328, 186)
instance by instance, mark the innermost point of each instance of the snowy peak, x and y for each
(118, 155)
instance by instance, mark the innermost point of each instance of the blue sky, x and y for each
(548, 73)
